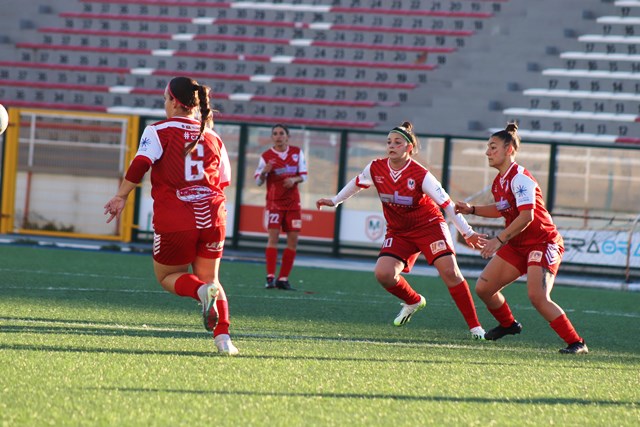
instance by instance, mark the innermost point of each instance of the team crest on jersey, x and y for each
(438, 246)
(535, 256)
(294, 157)
(411, 183)
(374, 227)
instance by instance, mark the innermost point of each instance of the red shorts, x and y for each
(182, 247)
(433, 243)
(288, 220)
(546, 255)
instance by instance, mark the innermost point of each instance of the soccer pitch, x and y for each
(89, 338)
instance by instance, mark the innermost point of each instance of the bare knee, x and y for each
(484, 292)
(386, 278)
(539, 300)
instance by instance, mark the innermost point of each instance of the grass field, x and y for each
(89, 338)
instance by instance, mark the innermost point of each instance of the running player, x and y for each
(189, 171)
(411, 201)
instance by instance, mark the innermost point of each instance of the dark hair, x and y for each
(509, 135)
(406, 130)
(279, 125)
(190, 94)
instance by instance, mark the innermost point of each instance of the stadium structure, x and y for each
(83, 77)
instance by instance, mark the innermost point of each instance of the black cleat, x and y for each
(578, 347)
(284, 285)
(270, 283)
(500, 331)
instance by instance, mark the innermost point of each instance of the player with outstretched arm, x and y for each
(412, 199)
(189, 170)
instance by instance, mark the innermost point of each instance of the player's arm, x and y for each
(149, 150)
(525, 202)
(353, 187)
(262, 171)
(225, 166)
(432, 187)
(487, 211)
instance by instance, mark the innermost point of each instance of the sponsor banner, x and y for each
(593, 247)
(362, 227)
(315, 224)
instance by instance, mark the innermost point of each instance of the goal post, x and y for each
(60, 168)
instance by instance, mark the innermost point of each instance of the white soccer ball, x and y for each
(4, 119)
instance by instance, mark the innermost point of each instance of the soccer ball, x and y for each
(4, 119)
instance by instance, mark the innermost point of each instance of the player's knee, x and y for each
(386, 278)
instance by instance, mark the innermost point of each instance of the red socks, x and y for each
(271, 257)
(462, 297)
(288, 256)
(404, 291)
(503, 315)
(187, 286)
(564, 329)
(223, 318)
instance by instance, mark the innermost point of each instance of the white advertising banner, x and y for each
(362, 227)
(593, 247)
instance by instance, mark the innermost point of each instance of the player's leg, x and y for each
(214, 300)
(172, 255)
(540, 280)
(291, 224)
(271, 251)
(458, 287)
(496, 275)
(387, 272)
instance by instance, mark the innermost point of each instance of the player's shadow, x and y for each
(377, 396)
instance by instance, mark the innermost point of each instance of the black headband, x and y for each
(403, 131)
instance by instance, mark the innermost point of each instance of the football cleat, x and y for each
(477, 333)
(225, 346)
(284, 285)
(407, 311)
(209, 308)
(500, 331)
(578, 347)
(270, 283)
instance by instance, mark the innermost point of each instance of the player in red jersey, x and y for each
(412, 199)
(530, 244)
(283, 167)
(189, 170)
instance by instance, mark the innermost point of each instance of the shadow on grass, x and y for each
(401, 397)
(160, 334)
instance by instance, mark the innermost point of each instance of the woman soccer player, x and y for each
(189, 171)
(530, 244)
(411, 201)
(282, 167)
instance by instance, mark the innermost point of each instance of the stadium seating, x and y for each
(597, 95)
(341, 64)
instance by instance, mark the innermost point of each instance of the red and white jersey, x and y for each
(518, 190)
(187, 191)
(411, 197)
(287, 164)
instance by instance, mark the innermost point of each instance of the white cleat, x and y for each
(209, 307)
(477, 333)
(407, 311)
(225, 346)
